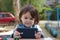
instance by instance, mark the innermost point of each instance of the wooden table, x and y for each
(33, 39)
(3, 30)
(23, 39)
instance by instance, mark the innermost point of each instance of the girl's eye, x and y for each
(26, 18)
(31, 18)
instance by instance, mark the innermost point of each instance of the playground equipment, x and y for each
(53, 27)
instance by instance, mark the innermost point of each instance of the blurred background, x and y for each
(49, 12)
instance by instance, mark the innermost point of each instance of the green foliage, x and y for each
(43, 16)
(57, 6)
(38, 4)
(7, 6)
(23, 2)
(47, 9)
(53, 16)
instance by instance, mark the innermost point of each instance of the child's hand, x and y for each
(38, 35)
(17, 34)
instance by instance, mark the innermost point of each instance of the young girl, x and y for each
(29, 18)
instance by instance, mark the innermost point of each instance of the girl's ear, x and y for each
(20, 18)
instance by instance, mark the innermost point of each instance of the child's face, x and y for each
(27, 19)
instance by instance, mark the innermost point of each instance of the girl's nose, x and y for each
(27, 20)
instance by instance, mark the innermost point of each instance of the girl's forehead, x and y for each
(27, 14)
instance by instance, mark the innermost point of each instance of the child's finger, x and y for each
(16, 33)
(37, 35)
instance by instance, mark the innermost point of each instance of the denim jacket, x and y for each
(33, 26)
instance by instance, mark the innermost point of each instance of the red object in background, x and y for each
(0, 38)
(7, 18)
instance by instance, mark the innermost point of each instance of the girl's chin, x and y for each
(27, 26)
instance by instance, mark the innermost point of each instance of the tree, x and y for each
(38, 4)
(6, 6)
(16, 6)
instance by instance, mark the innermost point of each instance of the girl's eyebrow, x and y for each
(30, 18)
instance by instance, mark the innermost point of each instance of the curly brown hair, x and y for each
(33, 11)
